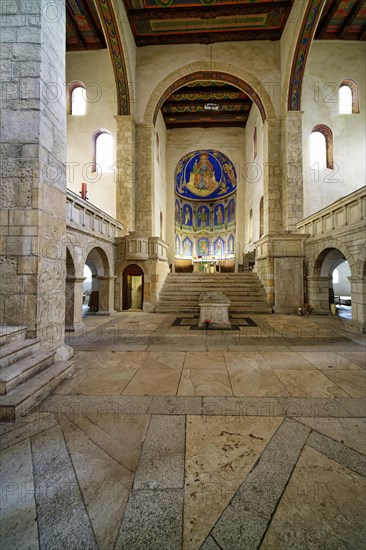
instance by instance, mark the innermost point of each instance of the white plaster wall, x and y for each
(343, 287)
(328, 64)
(253, 172)
(160, 177)
(154, 63)
(94, 69)
(180, 141)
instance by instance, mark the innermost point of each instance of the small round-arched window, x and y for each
(103, 151)
(348, 97)
(76, 104)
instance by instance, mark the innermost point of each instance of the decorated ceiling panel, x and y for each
(343, 20)
(206, 104)
(83, 27)
(206, 21)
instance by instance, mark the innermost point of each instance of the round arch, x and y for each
(322, 254)
(203, 71)
(133, 294)
(99, 258)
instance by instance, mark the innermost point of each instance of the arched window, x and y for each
(76, 101)
(348, 97)
(102, 151)
(321, 146)
(255, 145)
(251, 225)
(261, 217)
(335, 276)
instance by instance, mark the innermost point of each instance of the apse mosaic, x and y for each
(205, 174)
(219, 214)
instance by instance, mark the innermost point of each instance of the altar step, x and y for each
(181, 291)
(27, 375)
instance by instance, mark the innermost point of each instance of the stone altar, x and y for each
(214, 307)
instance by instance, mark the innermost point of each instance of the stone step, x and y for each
(19, 401)
(229, 292)
(10, 353)
(10, 335)
(21, 371)
(255, 308)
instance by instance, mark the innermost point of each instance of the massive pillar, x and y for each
(126, 171)
(144, 179)
(272, 177)
(106, 295)
(292, 169)
(33, 144)
(358, 298)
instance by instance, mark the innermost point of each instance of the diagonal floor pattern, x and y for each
(167, 438)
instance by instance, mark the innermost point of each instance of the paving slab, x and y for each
(162, 459)
(245, 520)
(153, 521)
(62, 516)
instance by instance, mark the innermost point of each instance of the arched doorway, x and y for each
(101, 295)
(133, 287)
(332, 272)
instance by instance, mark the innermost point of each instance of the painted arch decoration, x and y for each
(110, 27)
(308, 27)
(205, 174)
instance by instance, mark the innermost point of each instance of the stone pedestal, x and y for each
(214, 307)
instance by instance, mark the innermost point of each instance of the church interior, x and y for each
(183, 274)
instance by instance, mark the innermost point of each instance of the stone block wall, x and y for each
(33, 179)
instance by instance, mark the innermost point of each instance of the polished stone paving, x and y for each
(167, 438)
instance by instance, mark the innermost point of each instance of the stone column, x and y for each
(144, 179)
(358, 297)
(292, 169)
(106, 295)
(33, 144)
(73, 305)
(272, 177)
(126, 171)
(318, 293)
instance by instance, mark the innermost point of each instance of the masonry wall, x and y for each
(180, 141)
(33, 149)
(154, 63)
(328, 64)
(94, 69)
(160, 178)
(252, 173)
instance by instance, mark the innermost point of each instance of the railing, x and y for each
(141, 247)
(87, 217)
(344, 212)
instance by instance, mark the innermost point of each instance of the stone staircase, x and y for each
(181, 291)
(27, 375)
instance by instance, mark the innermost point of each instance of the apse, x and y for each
(205, 209)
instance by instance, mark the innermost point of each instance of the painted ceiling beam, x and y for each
(207, 38)
(350, 18)
(327, 19)
(206, 12)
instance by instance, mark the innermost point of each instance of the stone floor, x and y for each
(170, 438)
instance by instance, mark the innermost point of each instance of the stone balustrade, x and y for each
(337, 216)
(87, 218)
(141, 247)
